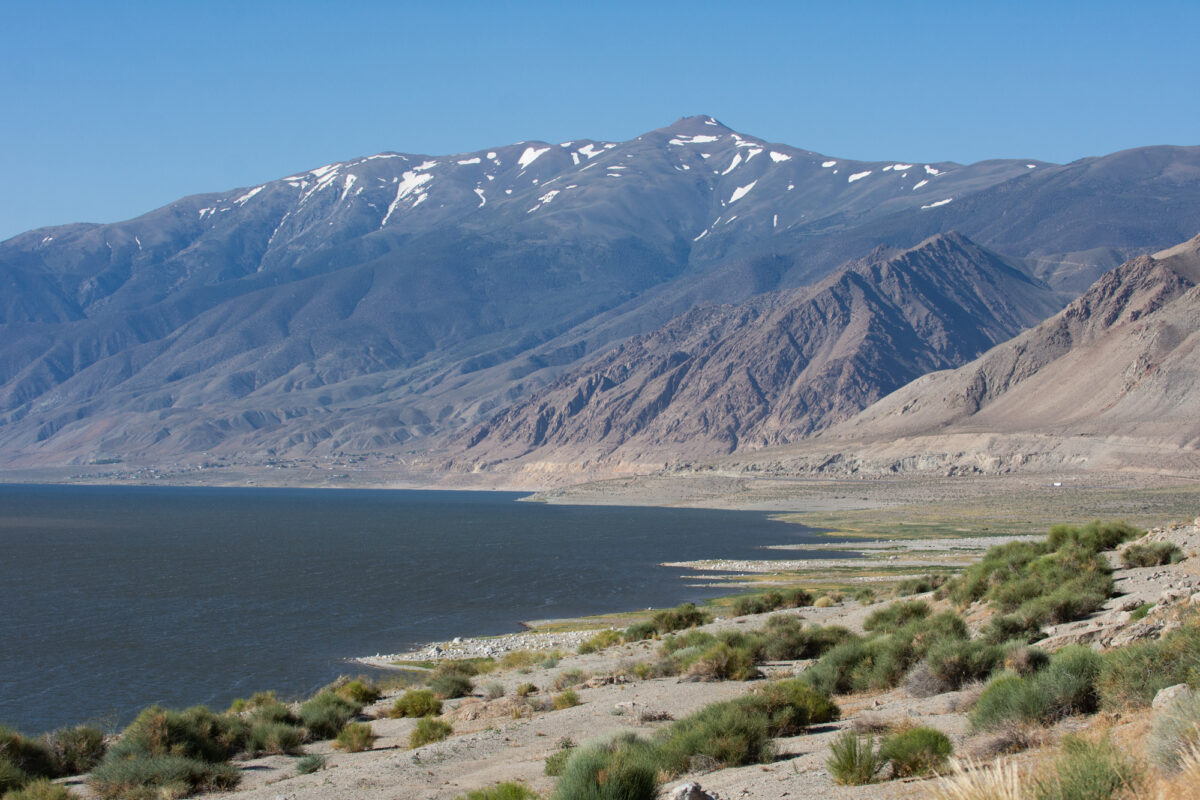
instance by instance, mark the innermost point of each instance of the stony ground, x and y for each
(503, 739)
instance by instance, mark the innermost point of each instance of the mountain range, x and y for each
(397, 302)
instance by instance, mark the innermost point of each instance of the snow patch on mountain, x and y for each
(858, 176)
(530, 155)
(938, 203)
(741, 191)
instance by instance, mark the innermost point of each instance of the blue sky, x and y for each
(114, 108)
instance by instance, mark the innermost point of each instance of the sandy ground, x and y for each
(490, 743)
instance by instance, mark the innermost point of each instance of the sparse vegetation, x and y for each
(600, 641)
(501, 791)
(853, 759)
(1154, 554)
(624, 768)
(449, 685)
(916, 751)
(355, 738)
(326, 713)
(771, 601)
(428, 730)
(314, 762)
(568, 699)
(417, 703)
(1175, 733)
(39, 789)
(1066, 686)
(1089, 771)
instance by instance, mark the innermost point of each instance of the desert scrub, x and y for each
(898, 613)
(853, 759)
(501, 791)
(192, 733)
(568, 678)
(1175, 732)
(916, 751)
(788, 639)
(600, 641)
(1132, 675)
(22, 759)
(558, 759)
(1154, 554)
(428, 730)
(273, 738)
(1066, 686)
(257, 700)
(950, 664)
(791, 706)
(167, 776)
(568, 699)
(1089, 771)
(679, 618)
(731, 733)
(921, 585)
(74, 751)
(523, 690)
(623, 768)
(40, 789)
(721, 662)
(359, 690)
(314, 762)
(418, 703)
(771, 601)
(355, 738)
(326, 713)
(448, 686)
(973, 781)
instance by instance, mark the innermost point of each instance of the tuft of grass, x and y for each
(416, 703)
(428, 730)
(1141, 611)
(557, 760)
(447, 686)
(568, 678)
(40, 789)
(791, 706)
(1089, 771)
(493, 690)
(326, 713)
(273, 738)
(524, 690)
(897, 614)
(359, 690)
(1066, 686)
(159, 776)
(355, 738)
(971, 781)
(314, 762)
(1132, 675)
(74, 751)
(724, 663)
(22, 759)
(731, 733)
(623, 768)
(853, 760)
(600, 641)
(916, 751)
(568, 699)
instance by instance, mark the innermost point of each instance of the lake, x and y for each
(115, 598)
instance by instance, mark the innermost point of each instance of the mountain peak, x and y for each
(698, 125)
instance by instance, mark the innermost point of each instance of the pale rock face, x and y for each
(691, 791)
(1169, 695)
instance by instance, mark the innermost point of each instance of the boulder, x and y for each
(691, 791)
(1169, 695)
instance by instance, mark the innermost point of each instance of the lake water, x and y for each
(115, 598)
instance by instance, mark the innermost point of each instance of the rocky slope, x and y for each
(774, 369)
(373, 304)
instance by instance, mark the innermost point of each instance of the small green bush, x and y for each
(568, 699)
(418, 703)
(916, 751)
(724, 663)
(12, 777)
(26, 758)
(523, 690)
(355, 738)
(1066, 686)
(326, 713)
(678, 618)
(853, 760)
(898, 613)
(447, 686)
(731, 733)
(791, 706)
(40, 789)
(501, 791)
(429, 729)
(74, 751)
(1155, 554)
(314, 762)
(787, 639)
(1132, 675)
(273, 738)
(557, 760)
(600, 641)
(1175, 731)
(194, 733)
(257, 700)
(638, 631)
(568, 678)
(359, 691)
(1089, 771)
(956, 662)
(921, 585)
(119, 778)
(625, 768)
(1141, 611)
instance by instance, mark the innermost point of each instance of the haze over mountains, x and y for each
(385, 303)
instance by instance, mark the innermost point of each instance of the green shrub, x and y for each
(429, 729)
(600, 641)
(921, 585)
(314, 762)
(74, 751)
(722, 662)
(12, 777)
(864, 596)
(419, 703)
(834, 673)
(1025, 660)
(678, 618)
(273, 738)
(898, 613)
(771, 601)
(1089, 771)
(27, 758)
(272, 712)
(732, 733)
(40, 789)
(326, 713)
(558, 759)
(523, 690)
(1176, 731)
(257, 700)
(956, 662)
(447, 686)
(791, 706)
(1066, 686)
(567, 699)
(1132, 675)
(638, 631)
(358, 691)
(501, 791)
(1155, 554)
(787, 639)
(355, 738)
(194, 733)
(625, 768)
(120, 778)
(1140, 612)
(916, 751)
(853, 760)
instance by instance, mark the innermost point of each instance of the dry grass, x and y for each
(972, 781)
(1185, 784)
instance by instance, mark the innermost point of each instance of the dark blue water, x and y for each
(114, 598)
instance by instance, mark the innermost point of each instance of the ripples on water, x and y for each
(114, 598)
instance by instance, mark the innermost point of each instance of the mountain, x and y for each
(774, 369)
(390, 300)
(1112, 381)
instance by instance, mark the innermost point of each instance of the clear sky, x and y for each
(110, 109)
